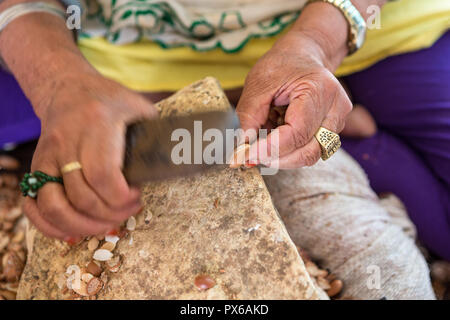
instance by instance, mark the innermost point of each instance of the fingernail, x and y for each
(113, 232)
(70, 241)
(251, 164)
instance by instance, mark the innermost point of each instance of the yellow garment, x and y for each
(406, 25)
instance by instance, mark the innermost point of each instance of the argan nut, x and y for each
(18, 237)
(8, 295)
(8, 197)
(94, 286)
(131, 223)
(13, 214)
(9, 180)
(323, 283)
(273, 115)
(112, 239)
(102, 255)
(86, 277)
(148, 216)
(4, 241)
(114, 264)
(12, 266)
(280, 121)
(239, 156)
(314, 271)
(8, 163)
(7, 226)
(330, 277)
(107, 246)
(204, 282)
(93, 244)
(13, 287)
(94, 269)
(61, 281)
(21, 255)
(335, 288)
(80, 289)
(281, 110)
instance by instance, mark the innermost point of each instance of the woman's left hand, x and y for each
(295, 72)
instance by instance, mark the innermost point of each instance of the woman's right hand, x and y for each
(83, 119)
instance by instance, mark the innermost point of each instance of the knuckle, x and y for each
(95, 112)
(334, 123)
(99, 179)
(51, 210)
(86, 204)
(55, 138)
(308, 88)
(95, 176)
(260, 76)
(300, 137)
(309, 158)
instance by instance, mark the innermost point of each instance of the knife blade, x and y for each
(154, 147)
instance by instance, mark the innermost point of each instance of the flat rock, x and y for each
(221, 224)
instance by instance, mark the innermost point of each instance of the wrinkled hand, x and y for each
(294, 73)
(84, 119)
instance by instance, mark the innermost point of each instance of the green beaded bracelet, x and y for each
(32, 182)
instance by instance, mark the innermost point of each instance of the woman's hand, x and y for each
(294, 73)
(84, 119)
(297, 72)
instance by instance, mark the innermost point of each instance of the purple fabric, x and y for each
(409, 97)
(18, 123)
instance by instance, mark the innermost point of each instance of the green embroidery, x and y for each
(126, 14)
(200, 34)
(226, 16)
(197, 33)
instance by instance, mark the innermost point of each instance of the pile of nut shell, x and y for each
(12, 229)
(85, 282)
(321, 277)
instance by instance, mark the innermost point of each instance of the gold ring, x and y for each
(71, 166)
(329, 142)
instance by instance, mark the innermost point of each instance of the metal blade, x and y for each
(150, 145)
